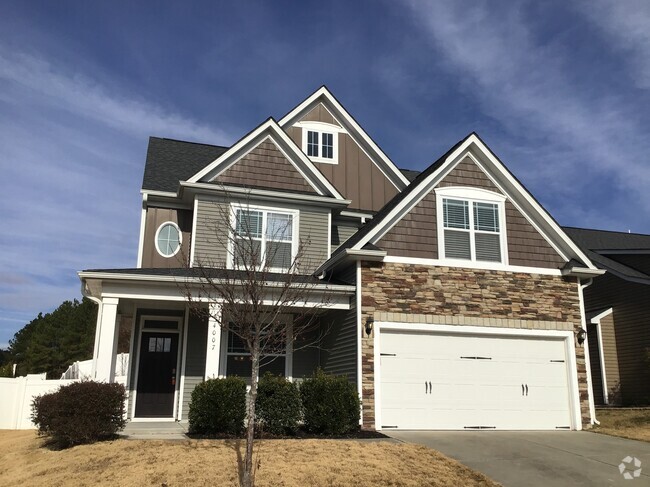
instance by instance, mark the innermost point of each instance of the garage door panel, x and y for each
(476, 381)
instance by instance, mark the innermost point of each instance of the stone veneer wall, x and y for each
(458, 296)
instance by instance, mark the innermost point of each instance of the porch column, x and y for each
(213, 352)
(107, 342)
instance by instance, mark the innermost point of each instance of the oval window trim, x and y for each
(180, 239)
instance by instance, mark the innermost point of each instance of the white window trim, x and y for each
(180, 239)
(321, 127)
(288, 351)
(295, 217)
(471, 195)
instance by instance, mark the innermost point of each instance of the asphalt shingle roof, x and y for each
(170, 161)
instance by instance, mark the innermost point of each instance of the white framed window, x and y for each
(471, 225)
(238, 360)
(168, 239)
(265, 237)
(320, 141)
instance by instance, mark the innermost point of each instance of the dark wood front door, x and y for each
(156, 375)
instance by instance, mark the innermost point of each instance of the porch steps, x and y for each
(155, 430)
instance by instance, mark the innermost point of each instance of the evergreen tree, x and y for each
(51, 342)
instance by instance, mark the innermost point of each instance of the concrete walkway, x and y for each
(544, 459)
(155, 430)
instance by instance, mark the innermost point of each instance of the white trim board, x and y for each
(596, 320)
(566, 336)
(354, 130)
(516, 193)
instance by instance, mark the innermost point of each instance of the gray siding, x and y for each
(339, 346)
(210, 244)
(630, 342)
(197, 333)
(341, 232)
(212, 219)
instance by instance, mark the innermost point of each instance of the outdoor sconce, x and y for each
(369, 323)
(581, 336)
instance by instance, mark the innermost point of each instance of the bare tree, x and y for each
(261, 277)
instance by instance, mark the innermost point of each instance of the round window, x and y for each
(168, 239)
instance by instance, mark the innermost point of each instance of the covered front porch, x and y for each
(172, 348)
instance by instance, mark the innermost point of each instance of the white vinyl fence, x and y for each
(16, 399)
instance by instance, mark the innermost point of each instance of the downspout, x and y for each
(98, 326)
(583, 324)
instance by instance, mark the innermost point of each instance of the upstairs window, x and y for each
(264, 238)
(168, 239)
(320, 141)
(471, 229)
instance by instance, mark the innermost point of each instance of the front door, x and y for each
(156, 375)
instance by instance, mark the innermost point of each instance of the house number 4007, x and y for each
(214, 336)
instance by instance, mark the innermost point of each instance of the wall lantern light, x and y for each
(581, 336)
(369, 324)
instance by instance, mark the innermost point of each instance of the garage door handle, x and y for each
(526, 389)
(430, 388)
(522, 389)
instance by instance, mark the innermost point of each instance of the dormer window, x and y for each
(471, 225)
(320, 141)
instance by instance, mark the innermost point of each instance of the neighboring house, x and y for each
(454, 300)
(618, 315)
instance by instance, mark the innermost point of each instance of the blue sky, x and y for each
(560, 92)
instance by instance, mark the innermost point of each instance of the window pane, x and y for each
(456, 214)
(457, 245)
(239, 365)
(486, 217)
(312, 144)
(168, 345)
(278, 254)
(159, 344)
(328, 146)
(247, 251)
(236, 344)
(168, 239)
(488, 247)
(152, 344)
(279, 226)
(249, 223)
(275, 365)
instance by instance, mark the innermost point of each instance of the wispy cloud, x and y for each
(627, 26)
(71, 154)
(576, 135)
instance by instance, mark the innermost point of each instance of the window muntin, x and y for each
(238, 360)
(264, 237)
(168, 239)
(472, 234)
(320, 145)
(312, 143)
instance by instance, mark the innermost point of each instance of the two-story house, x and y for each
(455, 300)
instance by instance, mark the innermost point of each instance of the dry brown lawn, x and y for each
(305, 463)
(626, 423)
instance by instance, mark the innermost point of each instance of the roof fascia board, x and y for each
(311, 174)
(534, 205)
(351, 255)
(582, 272)
(515, 189)
(108, 276)
(162, 194)
(391, 171)
(216, 189)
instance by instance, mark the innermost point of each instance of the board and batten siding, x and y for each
(631, 322)
(154, 219)
(210, 245)
(339, 346)
(197, 335)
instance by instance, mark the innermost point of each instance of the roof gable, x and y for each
(340, 116)
(499, 176)
(270, 132)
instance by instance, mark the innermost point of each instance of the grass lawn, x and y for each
(305, 463)
(627, 423)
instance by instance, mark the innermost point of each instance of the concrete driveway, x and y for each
(536, 458)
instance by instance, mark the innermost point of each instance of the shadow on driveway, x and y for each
(540, 458)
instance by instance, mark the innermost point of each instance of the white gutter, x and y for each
(354, 255)
(583, 324)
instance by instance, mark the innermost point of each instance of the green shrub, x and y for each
(330, 404)
(278, 406)
(218, 406)
(81, 412)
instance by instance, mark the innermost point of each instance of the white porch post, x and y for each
(107, 342)
(213, 351)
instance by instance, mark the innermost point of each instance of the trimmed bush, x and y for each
(278, 406)
(218, 406)
(81, 412)
(330, 404)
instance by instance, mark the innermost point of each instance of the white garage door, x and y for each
(446, 381)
